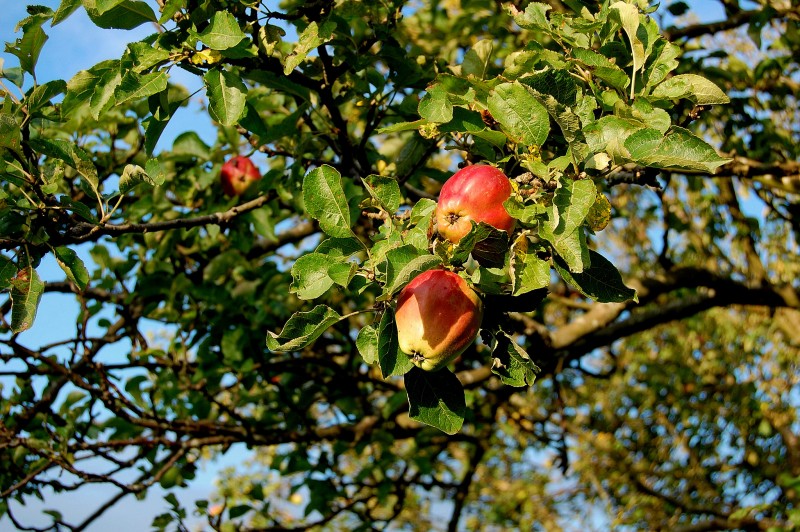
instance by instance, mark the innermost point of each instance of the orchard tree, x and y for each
(597, 328)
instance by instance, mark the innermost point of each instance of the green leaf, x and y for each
(367, 344)
(692, 87)
(608, 134)
(571, 204)
(135, 86)
(385, 190)
(679, 149)
(477, 60)
(342, 272)
(526, 213)
(303, 328)
(534, 17)
(340, 247)
(102, 98)
(601, 281)
(310, 274)
(519, 113)
(126, 15)
(311, 37)
(326, 202)
(26, 292)
(402, 265)
(435, 106)
(391, 360)
(42, 94)
(436, 399)
(7, 272)
(65, 9)
(528, 272)
(10, 133)
(134, 175)
(72, 155)
(73, 266)
(223, 32)
(227, 96)
(28, 47)
(511, 363)
(663, 64)
(629, 18)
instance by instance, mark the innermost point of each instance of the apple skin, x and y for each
(476, 193)
(438, 316)
(236, 175)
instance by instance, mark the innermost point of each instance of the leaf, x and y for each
(571, 204)
(326, 202)
(601, 281)
(65, 9)
(521, 116)
(28, 47)
(665, 63)
(311, 37)
(223, 32)
(528, 272)
(102, 98)
(126, 15)
(72, 155)
(629, 18)
(511, 363)
(7, 271)
(303, 328)
(227, 96)
(26, 293)
(402, 265)
(534, 16)
(342, 272)
(692, 87)
(385, 190)
(132, 176)
(608, 134)
(42, 94)
(435, 106)
(391, 360)
(526, 213)
(310, 274)
(477, 60)
(367, 344)
(135, 86)
(600, 214)
(436, 399)
(678, 149)
(73, 266)
(10, 133)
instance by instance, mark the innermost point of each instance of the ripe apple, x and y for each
(237, 174)
(438, 316)
(476, 193)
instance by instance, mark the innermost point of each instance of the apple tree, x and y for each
(636, 364)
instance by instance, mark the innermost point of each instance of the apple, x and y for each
(438, 316)
(237, 174)
(474, 193)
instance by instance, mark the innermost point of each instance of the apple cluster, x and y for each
(438, 315)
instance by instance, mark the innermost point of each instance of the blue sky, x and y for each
(74, 45)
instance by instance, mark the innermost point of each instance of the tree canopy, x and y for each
(637, 365)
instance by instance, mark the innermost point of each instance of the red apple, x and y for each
(474, 193)
(237, 174)
(438, 316)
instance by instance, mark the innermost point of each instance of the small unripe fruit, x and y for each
(476, 193)
(438, 316)
(236, 175)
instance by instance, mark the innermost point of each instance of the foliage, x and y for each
(639, 337)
